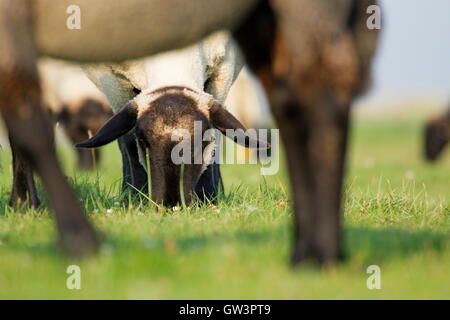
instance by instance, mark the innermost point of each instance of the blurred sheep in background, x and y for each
(437, 136)
(75, 103)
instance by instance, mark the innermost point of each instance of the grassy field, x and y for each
(397, 216)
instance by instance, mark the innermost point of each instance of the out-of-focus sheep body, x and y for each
(76, 104)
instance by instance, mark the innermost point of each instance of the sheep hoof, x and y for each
(308, 255)
(79, 242)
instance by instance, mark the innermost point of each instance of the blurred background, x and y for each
(412, 66)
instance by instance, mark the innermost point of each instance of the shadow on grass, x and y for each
(379, 245)
(364, 244)
(367, 244)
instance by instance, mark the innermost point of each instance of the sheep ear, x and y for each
(117, 126)
(231, 127)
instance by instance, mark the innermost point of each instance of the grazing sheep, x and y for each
(437, 136)
(76, 103)
(313, 58)
(174, 89)
(80, 121)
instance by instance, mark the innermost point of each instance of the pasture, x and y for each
(396, 216)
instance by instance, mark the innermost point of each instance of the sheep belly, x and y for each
(120, 30)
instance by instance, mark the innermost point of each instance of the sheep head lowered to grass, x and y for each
(81, 120)
(167, 118)
(171, 93)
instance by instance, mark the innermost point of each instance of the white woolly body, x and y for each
(215, 61)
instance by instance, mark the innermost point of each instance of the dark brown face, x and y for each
(169, 121)
(170, 124)
(81, 121)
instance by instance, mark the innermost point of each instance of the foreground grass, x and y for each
(396, 216)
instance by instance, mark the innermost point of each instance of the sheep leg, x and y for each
(322, 72)
(134, 175)
(210, 184)
(23, 121)
(30, 128)
(24, 188)
(311, 81)
(311, 102)
(315, 142)
(86, 158)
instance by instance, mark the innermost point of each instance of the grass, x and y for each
(396, 216)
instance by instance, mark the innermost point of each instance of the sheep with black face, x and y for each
(437, 136)
(168, 94)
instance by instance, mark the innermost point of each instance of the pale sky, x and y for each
(414, 54)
